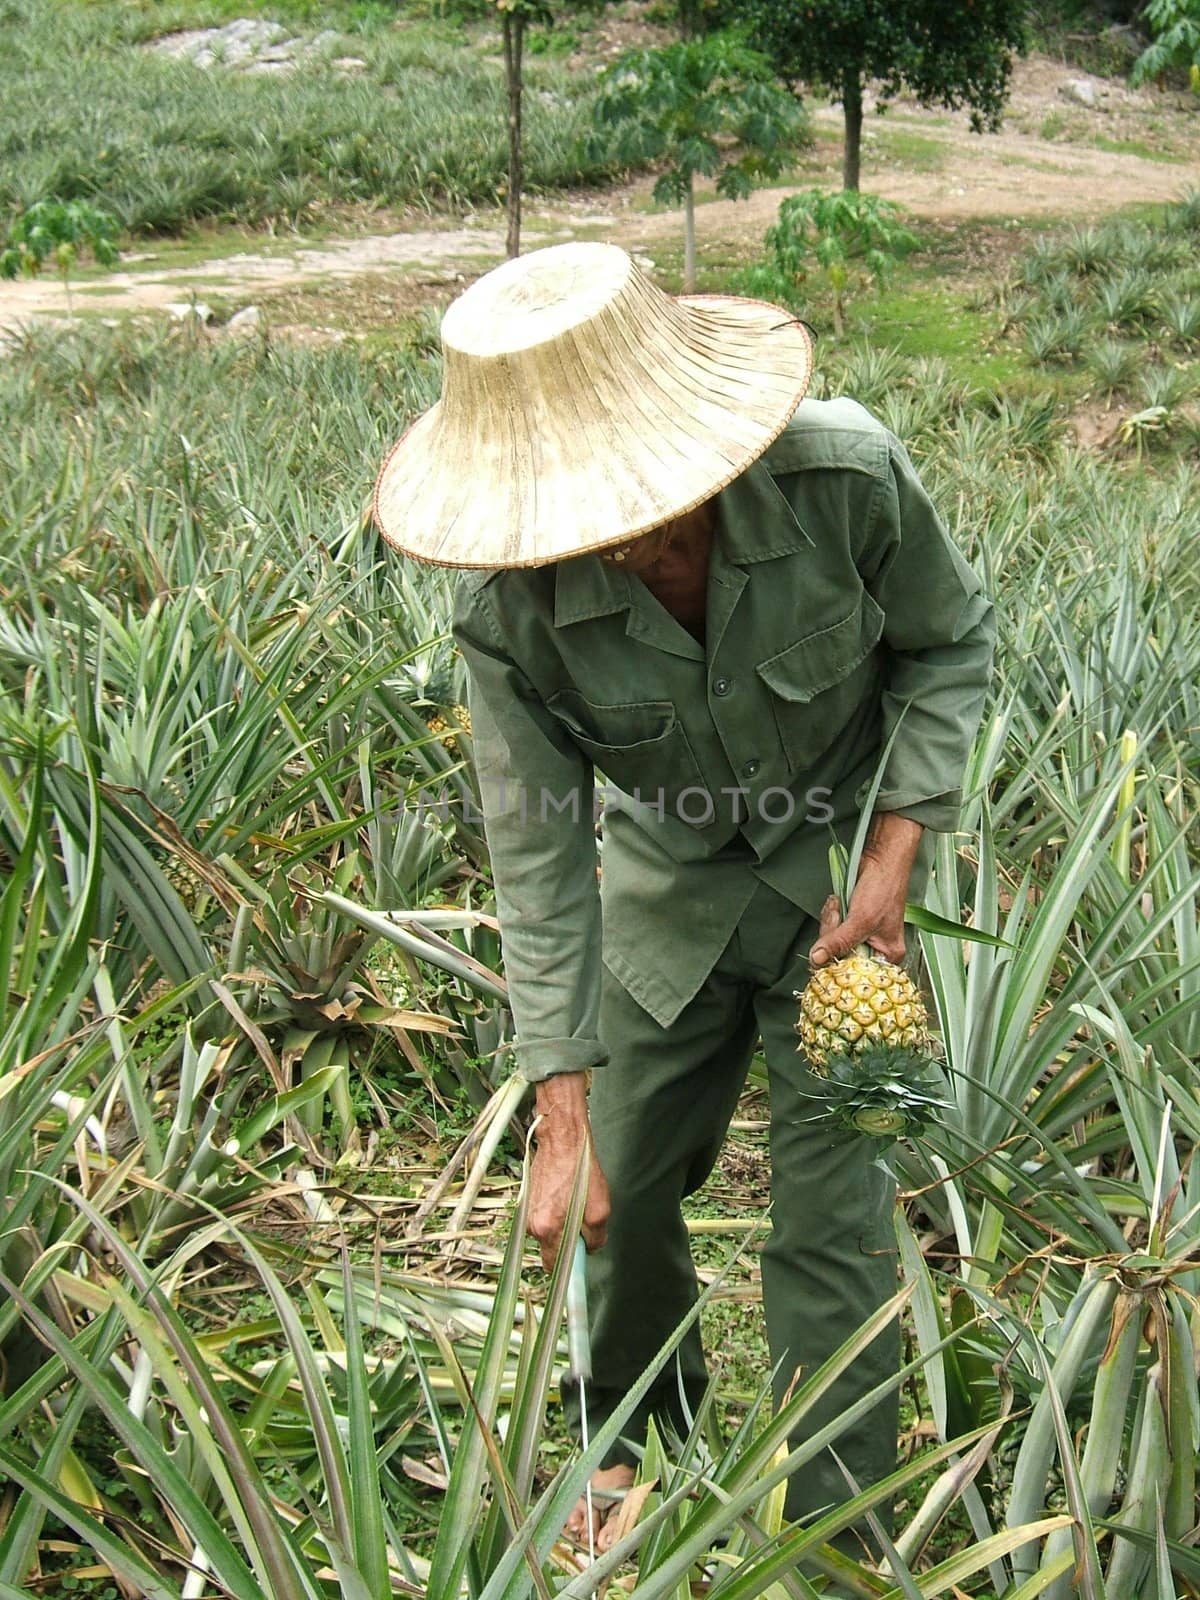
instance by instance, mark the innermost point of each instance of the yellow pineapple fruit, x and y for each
(858, 1003)
(445, 729)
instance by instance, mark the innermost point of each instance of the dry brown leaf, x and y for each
(630, 1509)
(426, 1472)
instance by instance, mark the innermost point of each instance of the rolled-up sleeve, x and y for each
(537, 796)
(939, 629)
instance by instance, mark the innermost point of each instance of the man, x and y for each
(722, 601)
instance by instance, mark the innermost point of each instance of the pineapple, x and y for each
(865, 1031)
(445, 727)
(859, 1001)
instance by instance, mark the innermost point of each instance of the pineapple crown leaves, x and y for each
(892, 1071)
(884, 1093)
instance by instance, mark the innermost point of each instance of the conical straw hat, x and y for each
(582, 406)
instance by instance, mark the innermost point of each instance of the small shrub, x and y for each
(1114, 365)
(1167, 387)
(1054, 336)
(936, 379)
(764, 281)
(1127, 300)
(1141, 430)
(1184, 215)
(58, 229)
(909, 412)
(868, 372)
(1017, 308)
(1148, 249)
(1042, 261)
(1059, 292)
(1030, 425)
(1181, 318)
(1086, 250)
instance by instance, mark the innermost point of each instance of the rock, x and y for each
(245, 321)
(348, 64)
(250, 44)
(1082, 91)
(183, 310)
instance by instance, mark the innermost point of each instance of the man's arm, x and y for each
(939, 629)
(537, 793)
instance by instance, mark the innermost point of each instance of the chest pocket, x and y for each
(639, 747)
(818, 683)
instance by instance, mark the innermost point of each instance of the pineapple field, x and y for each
(270, 1327)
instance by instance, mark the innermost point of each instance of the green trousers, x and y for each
(660, 1109)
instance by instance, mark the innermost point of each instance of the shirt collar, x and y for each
(755, 518)
(755, 522)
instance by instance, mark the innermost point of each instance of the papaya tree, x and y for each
(516, 16)
(849, 238)
(707, 106)
(58, 229)
(953, 53)
(1176, 28)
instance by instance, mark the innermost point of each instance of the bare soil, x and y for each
(1045, 161)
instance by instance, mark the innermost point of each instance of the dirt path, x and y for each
(930, 163)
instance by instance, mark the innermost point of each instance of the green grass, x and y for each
(921, 321)
(1138, 147)
(1054, 125)
(1069, 127)
(903, 147)
(886, 144)
(161, 16)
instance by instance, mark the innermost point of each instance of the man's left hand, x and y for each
(875, 915)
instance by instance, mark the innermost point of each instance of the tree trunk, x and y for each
(689, 239)
(514, 46)
(852, 106)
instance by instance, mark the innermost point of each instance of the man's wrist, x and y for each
(561, 1103)
(893, 842)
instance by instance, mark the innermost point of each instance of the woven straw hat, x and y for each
(582, 406)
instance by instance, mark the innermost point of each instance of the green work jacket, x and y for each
(837, 604)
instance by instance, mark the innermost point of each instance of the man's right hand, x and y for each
(562, 1134)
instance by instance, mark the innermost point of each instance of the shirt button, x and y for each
(721, 686)
(751, 767)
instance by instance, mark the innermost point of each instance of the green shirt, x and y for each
(837, 604)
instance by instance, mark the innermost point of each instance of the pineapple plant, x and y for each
(429, 682)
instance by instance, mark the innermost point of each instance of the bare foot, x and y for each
(607, 1483)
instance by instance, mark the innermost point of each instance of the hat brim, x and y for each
(632, 438)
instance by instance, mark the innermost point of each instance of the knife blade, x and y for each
(579, 1365)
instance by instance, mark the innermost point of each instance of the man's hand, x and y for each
(562, 1135)
(875, 916)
